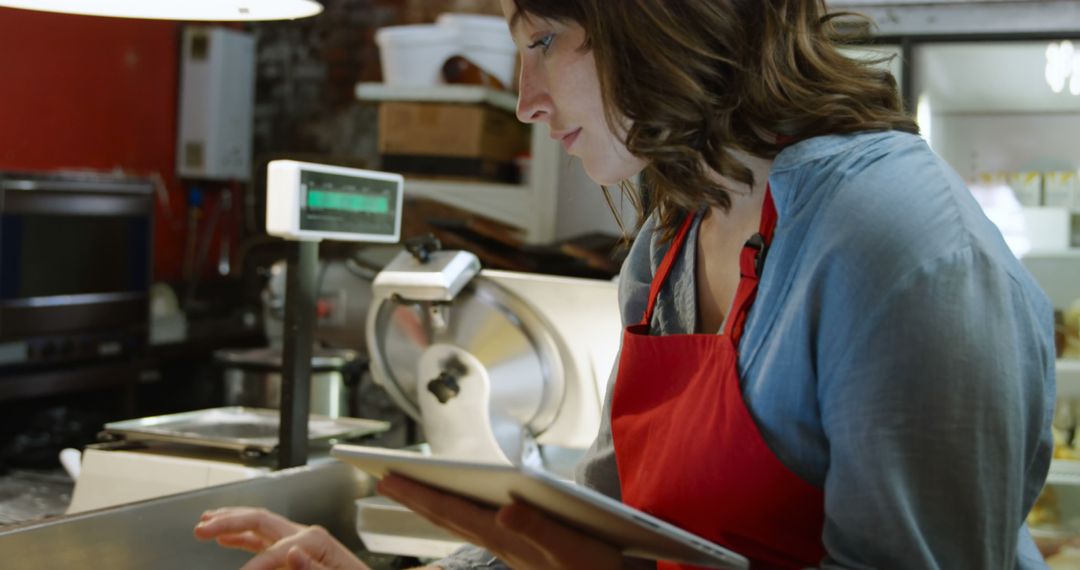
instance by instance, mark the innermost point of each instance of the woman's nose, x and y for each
(534, 101)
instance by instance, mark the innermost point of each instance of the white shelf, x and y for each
(437, 93)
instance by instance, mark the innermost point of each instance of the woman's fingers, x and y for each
(473, 522)
(239, 520)
(561, 546)
(248, 541)
(297, 559)
(317, 549)
(276, 541)
(520, 534)
(469, 520)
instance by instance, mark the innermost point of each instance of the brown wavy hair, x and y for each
(700, 78)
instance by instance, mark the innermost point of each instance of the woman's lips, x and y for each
(568, 139)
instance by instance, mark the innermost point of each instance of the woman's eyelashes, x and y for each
(544, 42)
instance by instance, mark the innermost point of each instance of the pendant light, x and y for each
(201, 10)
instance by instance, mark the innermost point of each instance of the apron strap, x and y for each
(751, 262)
(664, 270)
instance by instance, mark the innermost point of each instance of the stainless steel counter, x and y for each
(158, 533)
(33, 494)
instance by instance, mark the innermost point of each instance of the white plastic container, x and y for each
(414, 55)
(484, 40)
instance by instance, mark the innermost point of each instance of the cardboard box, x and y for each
(450, 130)
(453, 167)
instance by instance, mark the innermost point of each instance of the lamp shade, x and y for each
(201, 10)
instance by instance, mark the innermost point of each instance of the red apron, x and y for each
(688, 450)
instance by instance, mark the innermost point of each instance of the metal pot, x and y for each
(252, 378)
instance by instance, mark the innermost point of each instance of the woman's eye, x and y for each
(543, 43)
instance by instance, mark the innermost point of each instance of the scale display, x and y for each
(308, 201)
(337, 203)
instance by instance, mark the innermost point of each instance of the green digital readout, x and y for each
(347, 202)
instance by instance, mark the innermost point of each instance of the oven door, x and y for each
(74, 260)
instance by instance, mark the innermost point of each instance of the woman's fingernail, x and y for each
(506, 519)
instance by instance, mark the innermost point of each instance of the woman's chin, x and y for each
(605, 175)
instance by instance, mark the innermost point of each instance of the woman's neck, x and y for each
(746, 199)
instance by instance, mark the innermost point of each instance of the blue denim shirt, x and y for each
(898, 356)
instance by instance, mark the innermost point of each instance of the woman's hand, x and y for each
(521, 536)
(276, 541)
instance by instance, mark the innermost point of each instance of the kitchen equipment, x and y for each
(252, 377)
(161, 455)
(251, 431)
(492, 364)
(307, 203)
(199, 10)
(156, 533)
(74, 267)
(496, 366)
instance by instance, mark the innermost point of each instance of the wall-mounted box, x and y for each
(217, 93)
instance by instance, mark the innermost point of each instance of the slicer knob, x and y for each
(444, 387)
(421, 247)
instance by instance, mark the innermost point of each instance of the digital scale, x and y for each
(307, 203)
(313, 202)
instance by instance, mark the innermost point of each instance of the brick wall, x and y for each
(308, 71)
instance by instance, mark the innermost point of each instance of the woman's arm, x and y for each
(937, 416)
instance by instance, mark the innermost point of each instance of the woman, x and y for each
(832, 358)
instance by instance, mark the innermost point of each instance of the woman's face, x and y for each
(559, 86)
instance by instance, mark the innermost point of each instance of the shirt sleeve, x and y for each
(937, 412)
(469, 556)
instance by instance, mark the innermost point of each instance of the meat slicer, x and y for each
(496, 366)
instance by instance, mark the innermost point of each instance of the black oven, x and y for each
(75, 267)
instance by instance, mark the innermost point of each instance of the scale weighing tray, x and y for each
(247, 430)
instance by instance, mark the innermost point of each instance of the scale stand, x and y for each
(300, 294)
(307, 203)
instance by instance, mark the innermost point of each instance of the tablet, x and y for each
(636, 533)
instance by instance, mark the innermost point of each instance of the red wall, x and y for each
(80, 92)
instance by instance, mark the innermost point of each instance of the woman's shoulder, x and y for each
(886, 204)
(863, 147)
(876, 190)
